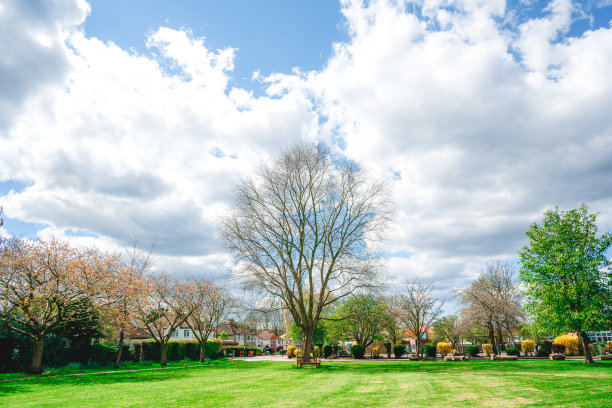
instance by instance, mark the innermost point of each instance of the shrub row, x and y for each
(358, 351)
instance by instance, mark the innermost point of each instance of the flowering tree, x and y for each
(209, 307)
(45, 284)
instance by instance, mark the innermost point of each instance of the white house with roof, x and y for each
(269, 339)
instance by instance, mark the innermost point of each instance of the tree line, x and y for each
(49, 287)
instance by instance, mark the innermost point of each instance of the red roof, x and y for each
(268, 336)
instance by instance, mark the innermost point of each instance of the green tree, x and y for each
(223, 336)
(360, 318)
(567, 274)
(447, 329)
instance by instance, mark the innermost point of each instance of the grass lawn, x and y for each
(336, 384)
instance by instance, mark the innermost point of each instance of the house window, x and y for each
(186, 333)
(175, 333)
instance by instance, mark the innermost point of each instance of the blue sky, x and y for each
(137, 118)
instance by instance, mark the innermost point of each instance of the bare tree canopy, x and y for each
(417, 309)
(305, 230)
(494, 301)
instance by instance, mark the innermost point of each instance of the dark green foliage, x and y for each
(327, 350)
(558, 348)
(472, 350)
(388, 348)
(103, 353)
(234, 351)
(513, 352)
(429, 350)
(398, 350)
(358, 351)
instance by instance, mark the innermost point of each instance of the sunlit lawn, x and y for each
(335, 384)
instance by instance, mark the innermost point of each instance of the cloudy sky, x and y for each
(122, 119)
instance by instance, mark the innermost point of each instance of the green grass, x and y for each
(336, 384)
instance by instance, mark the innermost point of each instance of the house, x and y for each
(268, 339)
(409, 340)
(237, 332)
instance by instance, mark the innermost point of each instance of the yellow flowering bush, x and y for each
(570, 343)
(298, 352)
(487, 349)
(527, 346)
(453, 352)
(609, 346)
(376, 351)
(444, 348)
(291, 351)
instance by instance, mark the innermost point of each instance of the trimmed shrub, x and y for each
(513, 351)
(376, 351)
(527, 346)
(558, 348)
(298, 352)
(609, 346)
(429, 350)
(444, 348)
(327, 350)
(358, 351)
(291, 351)
(388, 348)
(150, 350)
(570, 343)
(398, 350)
(472, 350)
(317, 351)
(487, 349)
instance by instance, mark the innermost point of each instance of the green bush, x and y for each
(429, 350)
(103, 353)
(150, 350)
(472, 350)
(558, 348)
(398, 350)
(358, 351)
(388, 348)
(327, 350)
(513, 352)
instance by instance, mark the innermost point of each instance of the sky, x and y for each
(123, 120)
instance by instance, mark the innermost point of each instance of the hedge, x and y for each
(472, 350)
(327, 350)
(179, 350)
(358, 351)
(513, 352)
(398, 350)
(429, 350)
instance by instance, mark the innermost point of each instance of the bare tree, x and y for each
(494, 301)
(163, 310)
(417, 309)
(304, 230)
(209, 307)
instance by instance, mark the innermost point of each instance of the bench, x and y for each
(313, 361)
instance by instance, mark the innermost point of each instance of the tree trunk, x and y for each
(36, 366)
(580, 346)
(491, 336)
(202, 352)
(588, 357)
(162, 358)
(500, 341)
(307, 336)
(119, 349)
(417, 342)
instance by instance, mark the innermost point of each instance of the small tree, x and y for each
(360, 318)
(209, 307)
(448, 329)
(164, 310)
(567, 274)
(417, 310)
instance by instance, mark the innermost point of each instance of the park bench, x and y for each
(313, 361)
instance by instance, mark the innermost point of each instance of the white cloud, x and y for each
(484, 126)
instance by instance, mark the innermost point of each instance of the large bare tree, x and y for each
(493, 301)
(417, 309)
(305, 230)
